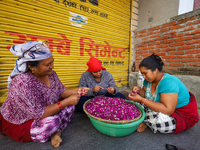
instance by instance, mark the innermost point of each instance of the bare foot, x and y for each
(56, 139)
(142, 127)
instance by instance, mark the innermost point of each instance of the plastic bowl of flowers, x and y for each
(114, 116)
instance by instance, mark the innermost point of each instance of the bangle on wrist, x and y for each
(60, 106)
(144, 100)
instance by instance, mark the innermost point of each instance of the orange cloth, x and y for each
(94, 65)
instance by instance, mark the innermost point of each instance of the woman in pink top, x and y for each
(38, 106)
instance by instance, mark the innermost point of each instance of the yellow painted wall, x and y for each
(75, 30)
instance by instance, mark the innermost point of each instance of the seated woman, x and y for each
(100, 82)
(38, 106)
(169, 106)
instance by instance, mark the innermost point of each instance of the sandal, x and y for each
(172, 147)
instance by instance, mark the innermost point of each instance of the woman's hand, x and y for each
(51, 110)
(136, 89)
(111, 89)
(83, 91)
(72, 100)
(139, 90)
(135, 97)
(97, 88)
(167, 104)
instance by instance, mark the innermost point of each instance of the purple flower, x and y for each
(112, 108)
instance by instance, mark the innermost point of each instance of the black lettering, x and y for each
(68, 3)
(94, 12)
(94, 2)
(103, 15)
(85, 9)
(112, 63)
(74, 5)
(57, 1)
(105, 63)
(119, 63)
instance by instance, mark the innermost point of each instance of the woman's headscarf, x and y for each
(94, 65)
(30, 51)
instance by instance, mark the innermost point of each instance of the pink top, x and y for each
(28, 97)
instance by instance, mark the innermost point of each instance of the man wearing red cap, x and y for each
(100, 82)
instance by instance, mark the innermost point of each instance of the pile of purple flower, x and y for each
(112, 108)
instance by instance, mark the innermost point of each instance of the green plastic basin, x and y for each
(118, 130)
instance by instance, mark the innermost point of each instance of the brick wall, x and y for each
(177, 42)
